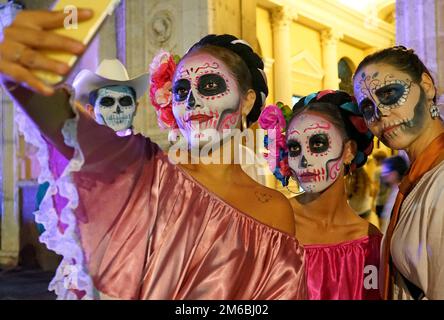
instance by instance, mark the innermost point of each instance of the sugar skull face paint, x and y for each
(315, 152)
(206, 98)
(394, 107)
(115, 107)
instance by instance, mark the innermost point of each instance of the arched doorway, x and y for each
(345, 72)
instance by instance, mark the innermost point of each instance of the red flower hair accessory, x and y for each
(162, 70)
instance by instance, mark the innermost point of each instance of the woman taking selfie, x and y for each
(145, 228)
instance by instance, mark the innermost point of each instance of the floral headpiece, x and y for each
(162, 70)
(274, 119)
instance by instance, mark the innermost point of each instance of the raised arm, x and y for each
(21, 51)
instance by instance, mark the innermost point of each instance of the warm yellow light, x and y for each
(361, 5)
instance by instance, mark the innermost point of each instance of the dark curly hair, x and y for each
(246, 65)
(342, 111)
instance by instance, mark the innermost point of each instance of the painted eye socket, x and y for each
(294, 148)
(319, 143)
(107, 101)
(390, 94)
(126, 101)
(367, 109)
(211, 85)
(181, 89)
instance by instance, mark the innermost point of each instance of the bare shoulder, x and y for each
(274, 208)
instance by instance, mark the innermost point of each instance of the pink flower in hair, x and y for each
(163, 95)
(272, 118)
(162, 70)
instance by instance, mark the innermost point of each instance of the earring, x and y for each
(244, 124)
(434, 111)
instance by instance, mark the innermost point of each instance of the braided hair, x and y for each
(341, 109)
(403, 59)
(254, 76)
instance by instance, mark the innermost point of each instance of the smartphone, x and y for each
(81, 31)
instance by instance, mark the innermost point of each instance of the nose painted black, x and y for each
(191, 103)
(118, 110)
(303, 163)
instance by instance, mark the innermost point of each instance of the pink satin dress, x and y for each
(344, 271)
(149, 230)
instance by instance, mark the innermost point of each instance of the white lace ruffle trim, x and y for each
(71, 275)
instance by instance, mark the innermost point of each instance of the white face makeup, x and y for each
(392, 104)
(115, 107)
(206, 99)
(315, 149)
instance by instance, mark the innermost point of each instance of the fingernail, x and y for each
(79, 47)
(87, 12)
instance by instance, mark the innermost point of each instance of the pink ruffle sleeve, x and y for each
(147, 230)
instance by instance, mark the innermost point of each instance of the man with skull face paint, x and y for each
(397, 97)
(109, 95)
(140, 227)
(326, 138)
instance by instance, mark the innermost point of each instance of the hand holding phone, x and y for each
(33, 42)
(20, 48)
(83, 32)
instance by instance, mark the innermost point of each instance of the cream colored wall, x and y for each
(304, 39)
(265, 38)
(354, 54)
(308, 40)
(307, 72)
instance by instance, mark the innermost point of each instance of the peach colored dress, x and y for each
(138, 227)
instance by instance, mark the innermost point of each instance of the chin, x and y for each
(313, 188)
(398, 143)
(207, 137)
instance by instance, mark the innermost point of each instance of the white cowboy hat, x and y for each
(110, 72)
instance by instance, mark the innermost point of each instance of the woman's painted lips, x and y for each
(391, 128)
(308, 176)
(199, 118)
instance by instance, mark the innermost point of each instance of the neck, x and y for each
(124, 133)
(430, 133)
(218, 163)
(329, 207)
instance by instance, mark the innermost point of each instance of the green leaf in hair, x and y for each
(176, 58)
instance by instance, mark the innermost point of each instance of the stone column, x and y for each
(440, 52)
(248, 22)
(9, 210)
(148, 26)
(281, 19)
(419, 26)
(329, 42)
